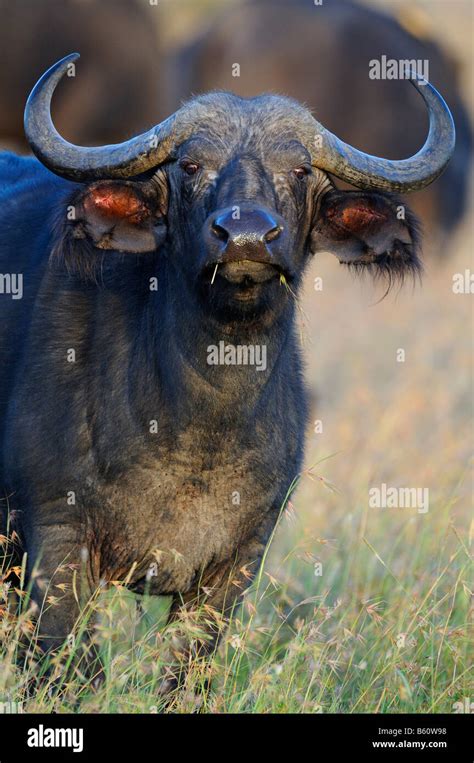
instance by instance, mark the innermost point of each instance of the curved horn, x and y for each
(120, 160)
(365, 171)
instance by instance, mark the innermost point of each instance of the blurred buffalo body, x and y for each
(320, 54)
(117, 90)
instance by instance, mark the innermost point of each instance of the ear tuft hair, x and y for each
(77, 256)
(403, 262)
(370, 232)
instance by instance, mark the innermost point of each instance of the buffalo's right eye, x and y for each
(189, 167)
(301, 172)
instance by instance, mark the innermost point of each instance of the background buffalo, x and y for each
(120, 84)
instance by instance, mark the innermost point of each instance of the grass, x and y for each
(356, 609)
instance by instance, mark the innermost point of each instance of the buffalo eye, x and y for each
(189, 167)
(301, 172)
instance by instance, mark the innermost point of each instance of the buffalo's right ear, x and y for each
(124, 216)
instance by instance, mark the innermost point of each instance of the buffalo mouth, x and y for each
(243, 272)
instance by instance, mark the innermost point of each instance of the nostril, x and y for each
(220, 232)
(273, 233)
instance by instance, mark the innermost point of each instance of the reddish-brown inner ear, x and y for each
(117, 203)
(354, 218)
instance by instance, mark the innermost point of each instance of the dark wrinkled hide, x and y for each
(119, 86)
(320, 55)
(141, 356)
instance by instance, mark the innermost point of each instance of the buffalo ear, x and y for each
(120, 215)
(368, 229)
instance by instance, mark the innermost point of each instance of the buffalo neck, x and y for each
(193, 366)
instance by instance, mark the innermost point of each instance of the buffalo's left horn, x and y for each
(119, 160)
(365, 171)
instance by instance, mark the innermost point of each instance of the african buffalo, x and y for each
(151, 390)
(320, 54)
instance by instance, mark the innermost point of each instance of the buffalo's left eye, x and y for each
(189, 167)
(301, 172)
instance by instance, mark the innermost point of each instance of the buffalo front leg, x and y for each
(204, 611)
(61, 587)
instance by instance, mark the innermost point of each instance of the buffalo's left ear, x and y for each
(121, 215)
(369, 229)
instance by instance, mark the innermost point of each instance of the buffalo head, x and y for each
(235, 195)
